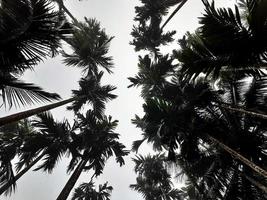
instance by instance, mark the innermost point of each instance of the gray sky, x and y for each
(116, 16)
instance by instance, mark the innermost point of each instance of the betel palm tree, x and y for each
(171, 125)
(148, 35)
(48, 142)
(153, 181)
(12, 137)
(87, 191)
(90, 45)
(226, 41)
(90, 92)
(152, 74)
(92, 146)
(30, 31)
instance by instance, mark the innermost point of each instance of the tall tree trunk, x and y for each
(28, 113)
(62, 6)
(20, 174)
(71, 182)
(241, 110)
(173, 13)
(256, 183)
(239, 157)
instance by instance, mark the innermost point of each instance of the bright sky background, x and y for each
(116, 16)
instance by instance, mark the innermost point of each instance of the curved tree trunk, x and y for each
(20, 174)
(71, 182)
(173, 13)
(239, 157)
(28, 113)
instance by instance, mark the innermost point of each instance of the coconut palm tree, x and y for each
(87, 191)
(90, 92)
(153, 181)
(30, 31)
(95, 143)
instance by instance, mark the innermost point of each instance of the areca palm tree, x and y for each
(87, 191)
(48, 141)
(148, 35)
(12, 137)
(153, 181)
(90, 92)
(30, 31)
(226, 41)
(191, 123)
(95, 143)
(90, 45)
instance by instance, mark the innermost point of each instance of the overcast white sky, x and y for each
(116, 16)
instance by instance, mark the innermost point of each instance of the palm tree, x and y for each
(148, 35)
(226, 41)
(30, 31)
(90, 91)
(90, 45)
(12, 137)
(153, 181)
(194, 121)
(92, 146)
(48, 140)
(87, 191)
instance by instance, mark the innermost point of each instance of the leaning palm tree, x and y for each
(30, 31)
(87, 191)
(153, 181)
(92, 146)
(90, 92)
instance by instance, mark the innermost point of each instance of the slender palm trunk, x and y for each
(20, 174)
(61, 5)
(173, 13)
(239, 157)
(241, 110)
(71, 182)
(28, 113)
(256, 183)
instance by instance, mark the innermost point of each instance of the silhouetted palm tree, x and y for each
(87, 191)
(90, 45)
(12, 138)
(47, 140)
(90, 92)
(92, 146)
(153, 181)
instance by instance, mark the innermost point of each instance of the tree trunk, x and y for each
(61, 5)
(256, 183)
(241, 110)
(239, 157)
(20, 174)
(174, 12)
(28, 113)
(71, 182)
